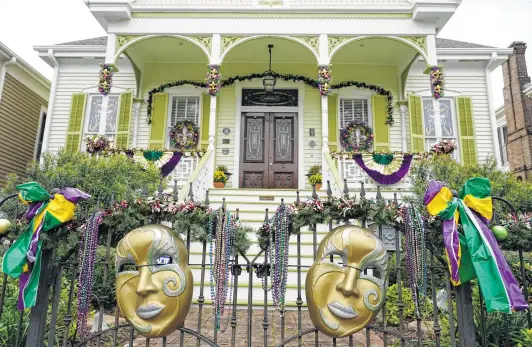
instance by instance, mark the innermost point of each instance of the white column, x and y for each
(493, 116)
(324, 140)
(216, 46)
(136, 115)
(431, 50)
(324, 49)
(403, 106)
(109, 59)
(212, 137)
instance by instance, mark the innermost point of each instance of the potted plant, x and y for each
(316, 179)
(224, 169)
(219, 179)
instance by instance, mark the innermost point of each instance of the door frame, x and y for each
(299, 110)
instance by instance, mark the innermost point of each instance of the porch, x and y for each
(171, 70)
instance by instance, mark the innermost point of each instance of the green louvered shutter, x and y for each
(75, 124)
(332, 101)
(381, 141)
(468, 149)
(158, 120)
(416, 123)
(206, 114)
(124, 119)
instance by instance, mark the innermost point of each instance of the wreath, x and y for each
(184, 135)
(357, 136)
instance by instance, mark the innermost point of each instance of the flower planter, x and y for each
(318, 186)
(219, 184)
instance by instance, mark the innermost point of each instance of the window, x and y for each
(353, 110)
(93, 121)
(184, 108)
(443, 128)
(502, 132)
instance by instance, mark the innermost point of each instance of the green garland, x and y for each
(285, 77)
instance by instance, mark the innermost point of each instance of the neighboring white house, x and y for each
(502, 135)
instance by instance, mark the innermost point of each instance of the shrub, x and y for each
(314, 169)
(222, 168)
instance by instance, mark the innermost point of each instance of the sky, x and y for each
(26, 23)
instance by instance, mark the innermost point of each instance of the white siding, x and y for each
(461, 79)
(78, 76)
(226, 118)
(311, 119)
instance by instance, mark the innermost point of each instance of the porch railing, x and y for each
(336, 183)
(200, 179)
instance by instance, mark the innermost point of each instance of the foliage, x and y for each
(315, 179)
(519, 234)
(409, 311)
(315, 169)
(524, 338)
(194, 217)
(242, 241)
(311, 212)
(444, 168)
(220, 176)
(222, 168)
(99, 288)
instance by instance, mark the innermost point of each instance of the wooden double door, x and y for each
(269, 150)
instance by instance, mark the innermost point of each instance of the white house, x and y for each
(385, 44)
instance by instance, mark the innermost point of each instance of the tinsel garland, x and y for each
(416, 255)
(278, 250)
(436, 81)
(324, 80)
(285, 77)
(214, 79)
(88, 245)
(221, 237)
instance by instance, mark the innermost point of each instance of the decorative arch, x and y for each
(148, 37)
(393, 38)
(256, 37)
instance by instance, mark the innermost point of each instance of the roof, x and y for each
(440, 43)
(30, 70)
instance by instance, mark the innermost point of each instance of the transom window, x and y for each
(353, 110)
(93, 122)
(443, 128)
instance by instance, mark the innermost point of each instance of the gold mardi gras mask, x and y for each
(153, 282)
(344, 299)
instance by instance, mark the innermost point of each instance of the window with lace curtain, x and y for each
(93, 116)
(444, 128)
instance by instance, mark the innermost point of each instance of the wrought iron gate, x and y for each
(250, 321)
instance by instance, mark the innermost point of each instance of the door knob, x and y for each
(271, 164)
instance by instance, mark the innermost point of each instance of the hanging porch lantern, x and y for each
(269, 79)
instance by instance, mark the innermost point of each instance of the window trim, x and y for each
(438, 131)
(500, 137)
(183, 91)
(40, 129)
(88, 113)
(354, 93)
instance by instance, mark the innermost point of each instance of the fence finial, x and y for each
(266, 218)
(176, 193)
(329, 190)
(362, 191)
(207, 202)
(297, 198)
(346, 189)
(314, 193)
(379, 195)
(191, 192)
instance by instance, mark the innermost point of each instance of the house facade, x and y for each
(24, 94)
(377, 52)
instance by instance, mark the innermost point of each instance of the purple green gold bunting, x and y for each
(46, 212)
(384, 168)
(475, 252)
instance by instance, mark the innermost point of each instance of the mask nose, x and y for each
(349, 285)
(145, 286)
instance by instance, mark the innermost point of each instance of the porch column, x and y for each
(214, 60)
(403, 106)
(109, 59)
(324, 61)
(433, 61)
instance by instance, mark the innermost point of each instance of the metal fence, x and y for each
(252, 321)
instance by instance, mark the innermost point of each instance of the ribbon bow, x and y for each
(475, 253)
(46, 212)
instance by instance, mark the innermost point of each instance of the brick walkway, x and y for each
(241, 335)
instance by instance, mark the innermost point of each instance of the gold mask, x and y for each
(342, 299)
(153, 282)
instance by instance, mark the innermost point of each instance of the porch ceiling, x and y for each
(256, 51)
(165, 50)
(375, 51)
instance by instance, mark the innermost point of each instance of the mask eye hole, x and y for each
(128, 267)
(164, 260)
